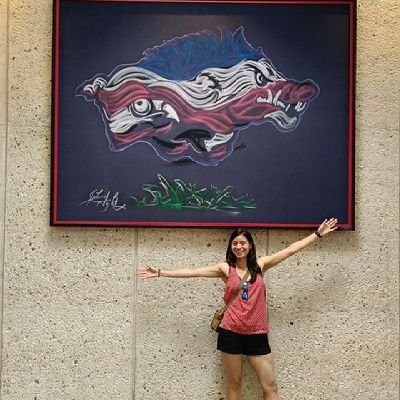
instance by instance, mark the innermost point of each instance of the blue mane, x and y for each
(183, 58)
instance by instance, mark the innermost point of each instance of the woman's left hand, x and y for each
(327, 226)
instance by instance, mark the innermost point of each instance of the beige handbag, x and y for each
(219, 314)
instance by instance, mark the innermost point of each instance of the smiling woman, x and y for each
(244, 327)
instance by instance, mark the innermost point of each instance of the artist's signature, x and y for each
(104, 200)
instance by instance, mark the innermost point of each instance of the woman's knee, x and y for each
(269, 387)
(235, 381)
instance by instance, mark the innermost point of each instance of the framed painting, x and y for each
(203, 113)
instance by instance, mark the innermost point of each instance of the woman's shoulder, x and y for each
(262, 261)
(224, 268)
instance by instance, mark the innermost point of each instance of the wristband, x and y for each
(318, 234)
(158, 272)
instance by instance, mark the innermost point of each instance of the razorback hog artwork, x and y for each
(191, 97)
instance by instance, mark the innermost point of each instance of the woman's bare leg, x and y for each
(264, 370)
(233, 370)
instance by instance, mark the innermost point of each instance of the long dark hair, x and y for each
(252, 264)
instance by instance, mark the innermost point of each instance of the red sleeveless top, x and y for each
(246, 317)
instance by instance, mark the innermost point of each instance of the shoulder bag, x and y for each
(219, 314)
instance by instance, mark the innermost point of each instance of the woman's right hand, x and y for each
(148, 272)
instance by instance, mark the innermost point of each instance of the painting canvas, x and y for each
(203, 113)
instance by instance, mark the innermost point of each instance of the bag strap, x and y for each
(237, 290)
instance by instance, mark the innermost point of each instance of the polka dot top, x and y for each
(243, 316)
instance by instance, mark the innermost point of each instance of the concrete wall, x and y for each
(77, 325)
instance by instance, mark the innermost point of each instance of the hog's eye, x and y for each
(261, 79)
(141, 107)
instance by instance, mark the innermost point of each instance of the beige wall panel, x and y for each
(3, 116)
(68, 298)
(3, 61)
(67, 351)
(176, 350)
(3, 133)
(377, 104)
(30, 43)
(330, 319)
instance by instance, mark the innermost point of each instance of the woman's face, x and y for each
(240, 246)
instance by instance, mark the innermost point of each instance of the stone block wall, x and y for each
(77, 325)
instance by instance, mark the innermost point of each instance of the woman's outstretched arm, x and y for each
(214, 271)
(324, 229)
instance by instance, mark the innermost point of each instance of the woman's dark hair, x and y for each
(252, 264)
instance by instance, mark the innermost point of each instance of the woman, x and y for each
(244, 327)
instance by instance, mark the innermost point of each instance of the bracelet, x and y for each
(158, 272)
(318, 234)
